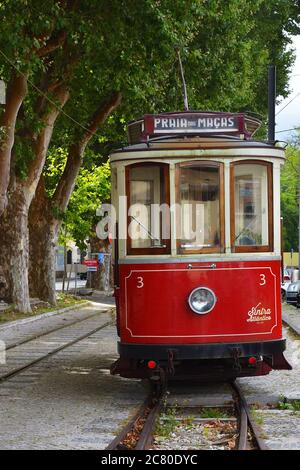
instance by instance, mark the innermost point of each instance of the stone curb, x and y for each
(291, 323)
(23, 321)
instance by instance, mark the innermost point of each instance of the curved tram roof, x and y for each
(200, 134)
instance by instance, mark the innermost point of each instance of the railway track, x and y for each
(138, 434)
(139, 430)
(25, 354)
(27, 339)
(248, 430)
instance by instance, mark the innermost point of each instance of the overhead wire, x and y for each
(298, 94)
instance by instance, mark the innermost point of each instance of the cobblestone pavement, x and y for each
(68, 401)
(281, 428)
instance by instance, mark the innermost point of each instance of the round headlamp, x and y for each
(202, 300)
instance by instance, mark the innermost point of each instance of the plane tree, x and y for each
(70, 64)
(74, 60)
(225, 53)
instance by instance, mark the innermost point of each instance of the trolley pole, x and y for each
(184, 89)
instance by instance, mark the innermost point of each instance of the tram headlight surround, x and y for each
(202, 300)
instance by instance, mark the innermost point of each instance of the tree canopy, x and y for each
(290, 196)
(76, 70)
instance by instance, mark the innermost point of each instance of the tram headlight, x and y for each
(202, 300)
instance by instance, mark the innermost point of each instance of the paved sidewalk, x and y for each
(281, 428)
(70, 400)
(291, 316)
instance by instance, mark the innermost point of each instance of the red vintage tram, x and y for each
(197, 255)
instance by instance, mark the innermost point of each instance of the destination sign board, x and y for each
(195, 123)
(192, 123)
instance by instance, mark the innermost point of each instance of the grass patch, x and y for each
(213, 413)
(285, 404)
(166, 423)
(63, 301)
(257, 416)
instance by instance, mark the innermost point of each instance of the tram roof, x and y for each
(185, 142)
(195, 130)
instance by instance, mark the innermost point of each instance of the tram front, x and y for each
(197, 254)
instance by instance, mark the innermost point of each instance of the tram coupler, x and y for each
(159, 382)
(236, 354)
(171, 366)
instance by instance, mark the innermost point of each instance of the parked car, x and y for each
(286, 281)
(292, 293)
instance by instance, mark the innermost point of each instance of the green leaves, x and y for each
(92, 189)
(290, 196)
(129, 46)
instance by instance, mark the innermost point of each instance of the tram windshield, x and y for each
(199, 199)
(148, 213)
(251, 226)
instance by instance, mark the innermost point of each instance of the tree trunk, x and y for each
(43, 231)
(44, 226)
(98, 278)
(42, 266)
(16, 93)
(14, 252)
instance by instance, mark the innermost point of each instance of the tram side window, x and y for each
(148, 209)
(251, 230)
(199, 197)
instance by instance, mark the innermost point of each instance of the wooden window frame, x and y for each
(165, 168)
(252, 248)
(203, 163)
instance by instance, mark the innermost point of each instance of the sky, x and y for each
(290, 116)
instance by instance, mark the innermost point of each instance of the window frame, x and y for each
(205, 250)
(165, 199)
(252, 248)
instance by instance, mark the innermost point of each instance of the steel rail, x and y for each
(246, 422)
(18, 370)
(145, 438)
(146, 435)
(116, 443)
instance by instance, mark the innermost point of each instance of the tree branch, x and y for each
(64, 189)
(41, 145)
(99, 117)
(51, 82)
(17, 90)
(53, 43)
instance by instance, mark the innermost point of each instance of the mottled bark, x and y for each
(96, 280)
(43, 210)
(14, 226)
(16, 92)
(43, 231)
(14, 251)
(66, 183)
